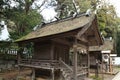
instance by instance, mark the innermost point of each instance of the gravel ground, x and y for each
(13, 74)
(26, 75)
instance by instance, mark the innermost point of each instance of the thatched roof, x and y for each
(59, 27)
(108, 45)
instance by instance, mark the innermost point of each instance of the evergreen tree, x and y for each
(22, 15)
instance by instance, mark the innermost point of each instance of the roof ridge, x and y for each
(61, 20)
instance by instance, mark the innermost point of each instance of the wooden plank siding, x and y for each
(42, 50)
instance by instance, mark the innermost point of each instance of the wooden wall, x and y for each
(82, 59)
(93, 56)
(51, 50)
(61, 51)
(42, 50)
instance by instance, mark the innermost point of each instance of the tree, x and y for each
(67, 8)
(24, 23)
(109, 24)
(24, 17)
(117, 37)
(106, 19)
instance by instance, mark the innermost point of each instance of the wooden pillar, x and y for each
(102, 68)
(88, 62)
(19, 59)
(53, 75)
(110, 63)
(97, 68)
(52, 51)
(19, 70)
(75, 60)
(33, 74)
(19, 53)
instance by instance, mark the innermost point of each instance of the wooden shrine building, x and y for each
(104, 54)
(53, 41)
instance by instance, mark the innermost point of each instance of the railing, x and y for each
(66, 70)
(65, 65)
(82, 71)
(40, 63)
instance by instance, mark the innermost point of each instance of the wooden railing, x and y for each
(67, 70)
(65, 65)
(40, 63)
(82, 71)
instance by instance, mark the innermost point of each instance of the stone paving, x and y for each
(117, 76)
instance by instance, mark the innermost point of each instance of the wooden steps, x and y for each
(66, 73)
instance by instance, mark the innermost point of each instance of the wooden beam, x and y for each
(61, 40)
(19, 53)
(84, 29)
(53, 74)
(82, 43)
(110, 63)
(18, 57)
(102, 68)
(75, 60)
(52, 51)
(88, 61)
(82, 39)
(33, 74)
(19, 70)
(82, 46)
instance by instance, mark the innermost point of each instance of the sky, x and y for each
(47, 10)
(4, 32)
(116, 4)
(117, 61)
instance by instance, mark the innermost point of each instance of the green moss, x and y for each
(95, 78)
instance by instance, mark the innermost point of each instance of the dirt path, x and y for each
(13, 74)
